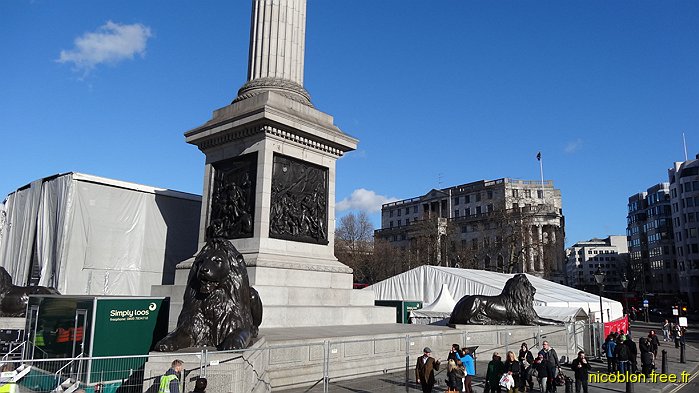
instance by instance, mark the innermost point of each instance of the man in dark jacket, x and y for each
(633, 353)
(621, 353)
(551, 361)
(582, 368)
(654, 343)
(424, 370)
(170, 382)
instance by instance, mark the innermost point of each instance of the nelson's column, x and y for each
(269, 182)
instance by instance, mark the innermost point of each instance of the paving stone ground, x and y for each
(396, 382)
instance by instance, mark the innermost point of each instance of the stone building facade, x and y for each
(684, 199)
(610, 255)
(500, 225)
(650, 240)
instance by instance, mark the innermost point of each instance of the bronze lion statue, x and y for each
(13, 298)
(220, 307)
(514, 306)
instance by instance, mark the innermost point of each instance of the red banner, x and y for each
(621, 324)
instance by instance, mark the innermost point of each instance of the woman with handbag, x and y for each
(525, 363)
(512, 368)
(455, 375)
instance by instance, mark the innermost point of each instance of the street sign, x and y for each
(645, 303)
(675, 312)
(683, 321)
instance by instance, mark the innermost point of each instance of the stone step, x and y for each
(298, 316)
(278, 296)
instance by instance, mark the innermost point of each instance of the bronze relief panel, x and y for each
(299, 202)
(233, 198)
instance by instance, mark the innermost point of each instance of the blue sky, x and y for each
(438, 93)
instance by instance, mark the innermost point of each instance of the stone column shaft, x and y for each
(540, 246)
(277, 40)
(530, 249)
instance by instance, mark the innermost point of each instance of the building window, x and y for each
(527, 193)
(467, 199)
(490, 194)
(540, 194)
(390, 213)
(407, 210)
(415, 209)
(467, 211)
(490, 207)
(478, 210)
(456, 200)
(478, 197)
(399, 211)
(390, 224)
(456, 213)
(515, 193)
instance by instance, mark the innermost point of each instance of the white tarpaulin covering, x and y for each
(436, 311)
(425, 282)
(84, 234)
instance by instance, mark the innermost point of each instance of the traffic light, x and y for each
(683, 311)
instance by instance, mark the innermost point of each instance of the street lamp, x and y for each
(625, 284)
(599, 277)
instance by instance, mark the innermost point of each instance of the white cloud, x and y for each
(365, 200)
(573, 146)
(110, 44)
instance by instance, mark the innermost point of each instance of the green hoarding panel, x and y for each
(125, 327)
(403, 308)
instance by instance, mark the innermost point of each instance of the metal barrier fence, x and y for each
(384, 363)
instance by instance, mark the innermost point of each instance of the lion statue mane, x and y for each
(220, 307)
(514, 306)
(13, 298)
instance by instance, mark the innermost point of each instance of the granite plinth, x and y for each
(226, 372)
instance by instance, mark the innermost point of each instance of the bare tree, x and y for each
(355, 232)
(354, 245)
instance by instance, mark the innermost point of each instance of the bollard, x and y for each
(569, 385)
(663, 367)
(629, 386)
(682, 359)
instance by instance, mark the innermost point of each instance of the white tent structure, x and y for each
(88, 235)
(426, 282)
(436, 311)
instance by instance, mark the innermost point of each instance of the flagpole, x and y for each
(684, 142)
(541, 170)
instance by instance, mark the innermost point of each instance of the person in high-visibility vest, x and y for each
(170, 382)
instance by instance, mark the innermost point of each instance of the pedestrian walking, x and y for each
(609, 347)
(581, 367)
(541, 371)
(512, 368)
(526, 359)
(654, 343)
(552, 363)
(621, 353)
(666, 330)
(492, 377)
(170, 381)
(424, 370)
